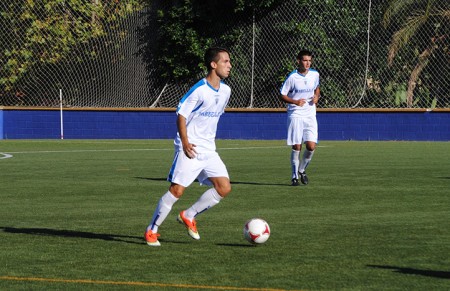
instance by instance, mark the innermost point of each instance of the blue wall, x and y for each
(91, 124)
(1, 124)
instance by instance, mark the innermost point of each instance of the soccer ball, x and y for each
(256, 231)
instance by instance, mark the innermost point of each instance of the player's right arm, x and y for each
(285, 88)
(188, 103)
(188, 148)
(289, 100)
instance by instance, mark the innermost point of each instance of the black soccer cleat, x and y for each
(295, 182)
(303, 178)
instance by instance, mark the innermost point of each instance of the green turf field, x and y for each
(375, 216)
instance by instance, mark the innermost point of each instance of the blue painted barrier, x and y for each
(17, 123)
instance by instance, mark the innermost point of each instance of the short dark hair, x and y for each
(211, 55)
(303, 53)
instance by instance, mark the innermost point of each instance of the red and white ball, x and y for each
(256, 231)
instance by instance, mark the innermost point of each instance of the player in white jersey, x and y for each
(301, 92)
(195, 150)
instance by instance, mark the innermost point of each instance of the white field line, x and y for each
(10, 154)
(5, 156)
(126, 150)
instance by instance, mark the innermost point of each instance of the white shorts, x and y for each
(301, 129)
(184, 170)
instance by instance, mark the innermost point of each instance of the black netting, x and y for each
(115, 69)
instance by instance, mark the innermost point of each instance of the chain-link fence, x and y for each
(350, 44)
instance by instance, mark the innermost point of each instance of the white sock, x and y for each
(295, 163)
(307, 156)
(206, 201)
(162, 210)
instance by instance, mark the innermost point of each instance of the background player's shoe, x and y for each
(152, 238)
(294, 182)
(190, 225)
(303, 178)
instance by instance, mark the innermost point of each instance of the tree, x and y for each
(424, 17)
(38, 33)
(181, 30)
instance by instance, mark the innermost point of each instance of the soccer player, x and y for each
(301, 92)
(195, 150)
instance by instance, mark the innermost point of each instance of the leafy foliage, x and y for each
(37, 33)
(185, 29)
(425, 17)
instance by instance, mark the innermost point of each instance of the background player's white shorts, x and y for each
(184, 170)
(301, 129)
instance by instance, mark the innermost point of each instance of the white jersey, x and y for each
(298, 86)
(202, 107)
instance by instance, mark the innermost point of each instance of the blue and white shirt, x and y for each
(298, 86)
(202, 107)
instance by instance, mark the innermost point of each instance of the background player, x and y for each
(301, 92)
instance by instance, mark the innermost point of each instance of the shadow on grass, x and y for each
(260, 184)
(72, 233)
(83, 234)
(410, 271)
(152, 179)
(232, 182)
(101, 236)
(236, 245)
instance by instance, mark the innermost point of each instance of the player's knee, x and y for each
(223, 189)
(176, 190)
(311, 146)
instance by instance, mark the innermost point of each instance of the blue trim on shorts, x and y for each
(172, 168)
